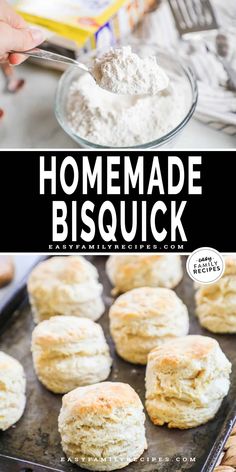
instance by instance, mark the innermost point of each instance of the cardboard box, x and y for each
(90, 23)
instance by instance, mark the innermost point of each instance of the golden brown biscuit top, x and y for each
(227, 277)
(101, 398)
(230, 265)
(182, 350)
(130, 263)
(8, 363)
(216, 291)
(65, 329)
(7, 270)
(145, 302)
(143, 258)
(64, 269)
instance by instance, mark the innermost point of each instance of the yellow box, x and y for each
(81, 20)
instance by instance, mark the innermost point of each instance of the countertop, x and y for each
(29, 120)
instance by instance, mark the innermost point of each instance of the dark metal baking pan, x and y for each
(35, 439)
(15, 294)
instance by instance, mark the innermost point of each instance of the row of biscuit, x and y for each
(215, 303)
(186, 378)
(102, 425)
(69, 285)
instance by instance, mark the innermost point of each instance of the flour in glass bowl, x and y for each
(108, 119)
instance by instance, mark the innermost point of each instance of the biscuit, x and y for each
(230, 265)
(12, 391)
(102, 426)
(216, 303)
(186, 381)
(69, 352)
(7, 270)
(144, 318)
(128, 272)
(65, 286)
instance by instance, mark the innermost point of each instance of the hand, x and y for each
(15, 35)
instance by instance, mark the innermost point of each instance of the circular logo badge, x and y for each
(205, 265)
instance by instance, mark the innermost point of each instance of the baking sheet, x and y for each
(22, 264)
(35, 437)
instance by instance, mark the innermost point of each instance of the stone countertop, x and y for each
(29, 120)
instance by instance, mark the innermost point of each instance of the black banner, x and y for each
(143, 201)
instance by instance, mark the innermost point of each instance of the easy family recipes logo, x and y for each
(119, 199)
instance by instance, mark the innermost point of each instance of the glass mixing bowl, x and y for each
(175, 69)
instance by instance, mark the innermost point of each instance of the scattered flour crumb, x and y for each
(108, 119)
(123, 72)
(134, 371)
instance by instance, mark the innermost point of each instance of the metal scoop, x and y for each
(52, 56)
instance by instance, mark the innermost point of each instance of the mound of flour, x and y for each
(108, 119)
(123, 72)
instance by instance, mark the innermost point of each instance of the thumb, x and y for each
(25, 38)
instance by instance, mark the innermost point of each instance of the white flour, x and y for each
(123, 72)
(121, 121)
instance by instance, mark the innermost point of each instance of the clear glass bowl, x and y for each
(175, 69)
